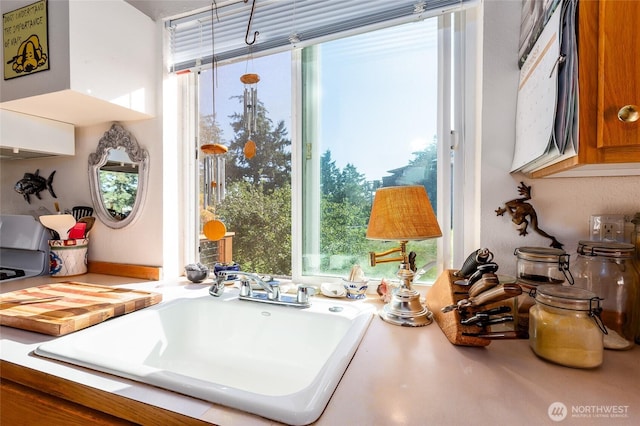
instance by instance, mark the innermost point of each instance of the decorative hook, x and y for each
(255, 34)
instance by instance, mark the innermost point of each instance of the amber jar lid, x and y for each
(573, 298)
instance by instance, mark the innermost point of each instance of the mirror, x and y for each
(118, 173)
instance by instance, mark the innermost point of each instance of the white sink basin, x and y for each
(279, 362)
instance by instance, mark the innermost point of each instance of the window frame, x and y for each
(458, 199)
(454, 188)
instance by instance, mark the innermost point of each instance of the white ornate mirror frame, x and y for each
(118, 138)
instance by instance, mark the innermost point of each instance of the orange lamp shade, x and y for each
(402, 213)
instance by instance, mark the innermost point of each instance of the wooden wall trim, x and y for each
(153, 273)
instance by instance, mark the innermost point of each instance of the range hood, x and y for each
(27, 136)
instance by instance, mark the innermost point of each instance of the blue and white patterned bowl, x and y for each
(355, 289)
(226, 267)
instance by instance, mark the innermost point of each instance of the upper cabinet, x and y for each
(609, 87)
(25, 136)
(103, 65)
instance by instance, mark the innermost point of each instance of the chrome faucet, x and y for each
(270, 290)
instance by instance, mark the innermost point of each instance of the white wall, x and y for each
(120, 47)
(140, 243)
(143, 242)
(564, 205)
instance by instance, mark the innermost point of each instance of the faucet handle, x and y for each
(245, 288)
(275, 291)
(304, 291)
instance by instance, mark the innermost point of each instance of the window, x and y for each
(337, 119)
(253, 198)
(369, 120)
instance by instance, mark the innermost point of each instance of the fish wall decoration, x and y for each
(33, 184)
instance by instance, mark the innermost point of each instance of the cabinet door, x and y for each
(22, 405)
(619, 72)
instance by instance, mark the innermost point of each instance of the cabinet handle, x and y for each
(629, 113)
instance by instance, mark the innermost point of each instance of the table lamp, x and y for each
(402, 213)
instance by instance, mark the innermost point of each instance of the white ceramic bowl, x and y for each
(333, 290)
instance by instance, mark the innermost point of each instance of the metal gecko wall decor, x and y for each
(519, 210)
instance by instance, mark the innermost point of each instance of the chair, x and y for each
(81, 211)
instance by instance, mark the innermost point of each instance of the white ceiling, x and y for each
(159, 9)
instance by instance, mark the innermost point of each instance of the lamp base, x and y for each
(406, 310)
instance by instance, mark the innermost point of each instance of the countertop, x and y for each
(398, 376)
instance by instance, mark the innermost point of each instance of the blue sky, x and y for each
(367, 83)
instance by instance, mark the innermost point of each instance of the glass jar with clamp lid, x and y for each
(606, 268)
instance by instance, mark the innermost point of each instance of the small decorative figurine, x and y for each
(519, 209)
(33, 184)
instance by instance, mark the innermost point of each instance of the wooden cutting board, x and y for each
(80, 305)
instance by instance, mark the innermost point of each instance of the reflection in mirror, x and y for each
(118, 173)
(118, 180)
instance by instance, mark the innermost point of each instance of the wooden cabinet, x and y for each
(31, 397)
(27, 406)
(609, 79)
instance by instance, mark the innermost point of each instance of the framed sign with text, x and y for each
(25, 40)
